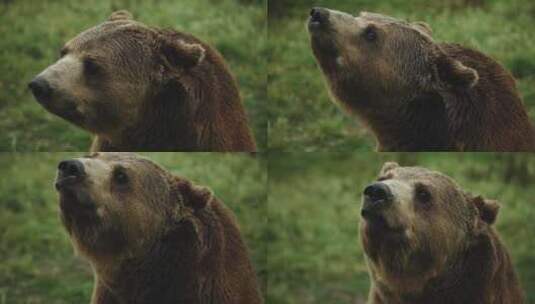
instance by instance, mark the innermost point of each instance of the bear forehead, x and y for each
(126, 158)
(382, 18)
(110, 156)
(142, 167)
(394, 22)
(114, 32)
(421, 174)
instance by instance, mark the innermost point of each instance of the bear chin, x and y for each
(376, 224)
(68, 111)
(377, 236)
(75, 203)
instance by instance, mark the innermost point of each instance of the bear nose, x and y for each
(377, 193)
(71, 168)
(40, 89)
(319, 15)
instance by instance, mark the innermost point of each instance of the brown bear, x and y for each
(428, 241)
(415, 94)
(150, 236)
(141, 88)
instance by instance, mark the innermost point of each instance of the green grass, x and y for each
(314, 254)
(301, 114)
(33, 32)
(38, 264)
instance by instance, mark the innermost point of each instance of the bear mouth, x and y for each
(315, 25)
(377, 223)
(62, 183)
(326, 52)
(68, 111)
(318, 19)
(75, 201)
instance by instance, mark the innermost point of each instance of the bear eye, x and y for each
(90, 66)
(422, 194)
(370, 34)
(120, 177)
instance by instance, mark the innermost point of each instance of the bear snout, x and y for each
(41, 89)
(69, 173)
(318, 16)
(376, 197)
(377, 193)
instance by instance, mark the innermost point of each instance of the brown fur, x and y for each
(418, 95)
(448, 251)
(147, 89)
(156, 239)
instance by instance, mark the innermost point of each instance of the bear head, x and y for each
(107, 77)
(417, 224)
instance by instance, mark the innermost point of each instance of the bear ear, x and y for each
(387, 167)
(455, 74)
(179, 53)
(423, 27)
(120, 15)
(487, 209)
(193, 196)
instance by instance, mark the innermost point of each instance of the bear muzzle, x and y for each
(70, 181)
(70, 173)
(319, 17)
(377, 200)
(54, 100)
(376, 197)
(41, 89)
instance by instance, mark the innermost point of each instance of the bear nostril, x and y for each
(377, 192)
(316, 15)
(40, 88)
(71, 168)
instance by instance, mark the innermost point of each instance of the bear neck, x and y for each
(171, 271)
(202, 260)
(490, 116)
(448, 119)
(202, 112)
(482, 119)
(482, 273)
(418, 124)
(164, 124)
(164, 273)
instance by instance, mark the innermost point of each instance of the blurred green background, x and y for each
(301, 115)
(314, 253)
(34, 31)
(37, 262)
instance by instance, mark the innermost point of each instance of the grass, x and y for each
(314, 254)
(38, 264)
(34, 31)
(301, 114)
